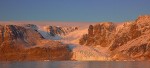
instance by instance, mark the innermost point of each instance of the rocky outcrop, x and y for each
(99, 34)
(127, 41)
(19, 43)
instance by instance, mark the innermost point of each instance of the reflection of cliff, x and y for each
(26, 43)
(125, 41)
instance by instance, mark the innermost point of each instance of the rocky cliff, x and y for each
(126, 41)
(99, 34)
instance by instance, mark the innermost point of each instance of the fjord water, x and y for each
(76, 64)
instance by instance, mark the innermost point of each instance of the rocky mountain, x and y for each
(24, 42)
(105, 41)
(126, 41)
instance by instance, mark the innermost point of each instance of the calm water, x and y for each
(74, 64)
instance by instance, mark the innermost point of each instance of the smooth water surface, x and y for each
(75, 64)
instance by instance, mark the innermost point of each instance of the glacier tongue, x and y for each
(84, 53)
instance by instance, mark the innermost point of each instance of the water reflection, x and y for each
(75, 64)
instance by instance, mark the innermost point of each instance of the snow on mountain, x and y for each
(55, 32)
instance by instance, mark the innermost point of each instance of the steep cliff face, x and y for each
(19, 43)
(121, 40)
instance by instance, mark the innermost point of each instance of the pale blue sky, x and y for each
(73, 10)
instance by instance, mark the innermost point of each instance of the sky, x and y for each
(73, 10)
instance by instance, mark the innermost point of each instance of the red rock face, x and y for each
(18, 43)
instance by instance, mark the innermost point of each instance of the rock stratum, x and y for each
(126, 41)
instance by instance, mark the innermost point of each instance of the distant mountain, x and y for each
(126, 41)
